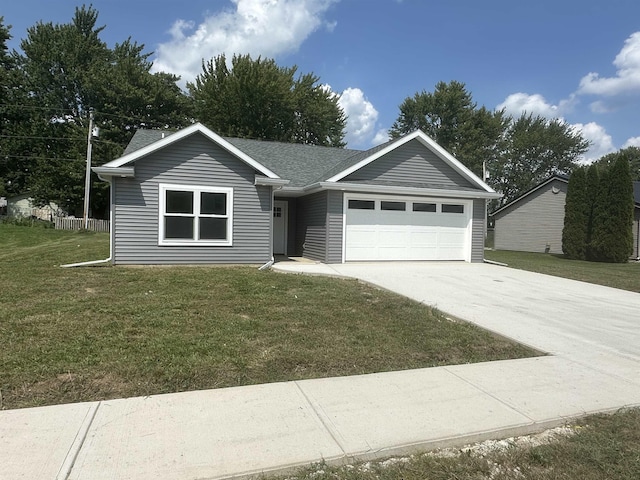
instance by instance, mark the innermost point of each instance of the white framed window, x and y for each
(191, 215)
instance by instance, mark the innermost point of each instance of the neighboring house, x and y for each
(193, 197)
(533, 222)
(23, 206)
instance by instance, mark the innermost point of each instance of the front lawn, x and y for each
(102, 332)
(625, 276)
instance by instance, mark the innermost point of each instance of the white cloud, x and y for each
(361, 117)
(382, 136)
(518, 103)
(632, 142)
(601, 141)
(257, 27)
(627, 78)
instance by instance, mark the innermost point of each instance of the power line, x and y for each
(30, 137)
(58, 110)
(24, 157)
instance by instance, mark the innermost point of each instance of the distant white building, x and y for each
(23, 206)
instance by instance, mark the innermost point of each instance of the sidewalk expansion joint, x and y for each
(78, 443)
(324, 423)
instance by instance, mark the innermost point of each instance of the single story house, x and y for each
(194, 197)
(533, 222)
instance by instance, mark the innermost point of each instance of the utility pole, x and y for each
(87, 179)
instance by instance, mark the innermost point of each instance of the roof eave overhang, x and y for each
(105, 173)
(399, 190)
(272, 182)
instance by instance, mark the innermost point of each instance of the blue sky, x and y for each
(576, 60)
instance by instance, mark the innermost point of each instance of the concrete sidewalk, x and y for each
(269, 428)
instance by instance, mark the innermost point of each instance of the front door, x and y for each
(279, 227)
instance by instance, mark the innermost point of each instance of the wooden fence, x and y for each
(64, 223)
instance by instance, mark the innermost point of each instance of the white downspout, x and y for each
(106, 260)
(273, 260)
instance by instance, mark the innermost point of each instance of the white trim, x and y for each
(427, 142)
(179, 135)
(114, 172)
(468, 205)
(398, 190)
(196, 189)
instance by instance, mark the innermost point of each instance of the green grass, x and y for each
(102, 332)
(625, 276)
(602, 447)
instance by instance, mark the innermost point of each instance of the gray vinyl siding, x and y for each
(335, 224)
(477, 230)
(411, 163)
(199, 162)
(534, 223)
(311, 226)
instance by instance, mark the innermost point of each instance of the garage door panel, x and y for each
(453, 220)
(405, 235)
(364, 217)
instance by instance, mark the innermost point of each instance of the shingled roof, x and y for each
(301, 164)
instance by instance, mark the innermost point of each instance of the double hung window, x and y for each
(195, 215)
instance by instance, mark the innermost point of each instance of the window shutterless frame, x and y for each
(194, 215)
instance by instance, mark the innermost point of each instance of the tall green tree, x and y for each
(67, 71)
(632, 155)
(259, 99)
(15, 168)
(612, 238)
(574, 233)
(536, 149)
(450, 116)
(592, 184)
(6, 66)
(519, 152)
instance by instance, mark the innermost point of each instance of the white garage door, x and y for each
(406, 229)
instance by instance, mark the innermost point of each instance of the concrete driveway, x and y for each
(590, 324)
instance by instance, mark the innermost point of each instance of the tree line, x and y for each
(65, 71)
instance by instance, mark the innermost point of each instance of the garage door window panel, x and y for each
(362, 204)
(424, 207)
(452, 208)
(393, 206)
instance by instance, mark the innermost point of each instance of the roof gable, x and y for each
(363, 159)
(140, 148)
(411, 163)
(544, 183)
